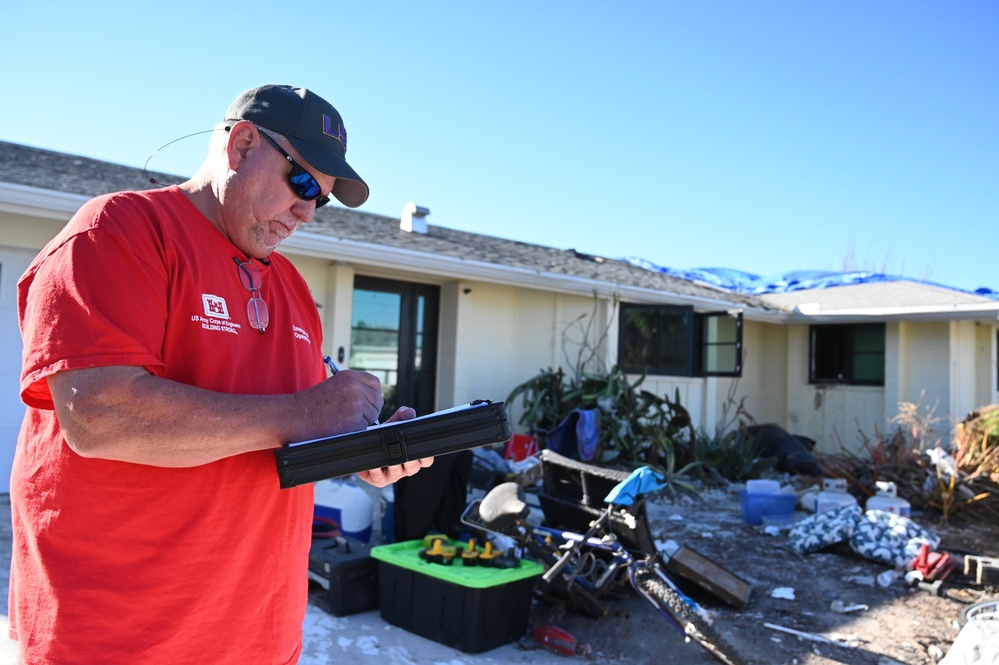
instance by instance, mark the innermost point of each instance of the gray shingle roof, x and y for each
(46, 169)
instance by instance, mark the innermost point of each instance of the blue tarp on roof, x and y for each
(797, 280)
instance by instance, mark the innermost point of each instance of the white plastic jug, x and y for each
(886, 498)
(346, 504)
(833, 495)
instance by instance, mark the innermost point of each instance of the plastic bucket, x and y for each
(757, 506)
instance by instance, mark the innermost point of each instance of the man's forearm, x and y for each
(127, 414)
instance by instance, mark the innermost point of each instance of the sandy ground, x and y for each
(898, 624)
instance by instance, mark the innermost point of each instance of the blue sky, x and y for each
(762, 136)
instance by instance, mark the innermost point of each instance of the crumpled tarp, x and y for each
(641, 481)
(796, 280)
(577, 435)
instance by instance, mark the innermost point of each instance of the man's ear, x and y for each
(242, 140)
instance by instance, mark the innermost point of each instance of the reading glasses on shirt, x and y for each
(303, 183)
(256, 308)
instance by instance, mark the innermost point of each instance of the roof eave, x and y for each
(38, 202)
(969, 311)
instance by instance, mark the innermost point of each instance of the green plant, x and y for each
(543, 398)
(636, 425)
(733, 455)
(731, 452)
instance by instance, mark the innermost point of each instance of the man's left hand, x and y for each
(389, 474)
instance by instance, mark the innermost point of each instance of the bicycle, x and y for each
(585, 566)
(987, 610)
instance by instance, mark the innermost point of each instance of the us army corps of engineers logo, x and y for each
(216, 315)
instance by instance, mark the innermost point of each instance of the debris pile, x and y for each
(959, 479)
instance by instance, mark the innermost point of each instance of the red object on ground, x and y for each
(555, 639)
(520, 447)
(933, 565)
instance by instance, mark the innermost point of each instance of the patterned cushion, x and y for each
(821, 530)
(890, 539)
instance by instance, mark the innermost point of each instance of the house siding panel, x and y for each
(764, 381)
(926, 355)
(986, 372)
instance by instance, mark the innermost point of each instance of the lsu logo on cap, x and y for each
(340, 134)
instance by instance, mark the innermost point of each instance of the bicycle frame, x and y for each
(620, 557)
(599, 537)
(561, 549)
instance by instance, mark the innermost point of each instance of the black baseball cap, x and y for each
(312, 125)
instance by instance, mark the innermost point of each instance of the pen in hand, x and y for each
(335, 370)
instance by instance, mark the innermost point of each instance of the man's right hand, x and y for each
(348, 401)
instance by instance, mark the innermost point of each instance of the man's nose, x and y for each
(304, 210)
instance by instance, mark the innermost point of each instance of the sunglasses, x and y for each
(302, 182)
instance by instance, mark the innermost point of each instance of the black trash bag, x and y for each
(434, 498)
(793, 452)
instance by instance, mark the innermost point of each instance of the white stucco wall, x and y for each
(512, 334)
(923, 357)
(962, 369)
(947, 368)
(986, 364)
(484, 333)
(26, 232)
(764, 372)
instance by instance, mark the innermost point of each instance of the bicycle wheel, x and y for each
(988, 609)
(658, 592)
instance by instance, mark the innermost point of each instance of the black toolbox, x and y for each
(573, 494)
(470, 608)
(343, 567)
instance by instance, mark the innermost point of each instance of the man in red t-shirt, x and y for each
(168, 350)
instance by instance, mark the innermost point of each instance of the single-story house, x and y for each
(444, 317)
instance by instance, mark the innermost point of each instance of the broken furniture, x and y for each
(573, 494)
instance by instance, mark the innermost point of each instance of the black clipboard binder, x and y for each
(478, 423)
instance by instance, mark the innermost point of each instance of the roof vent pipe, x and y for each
(414, 218)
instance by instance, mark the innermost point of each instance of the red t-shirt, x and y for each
(128, 563)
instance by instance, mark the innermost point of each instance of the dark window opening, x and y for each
(852, 354)
(674, 340)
